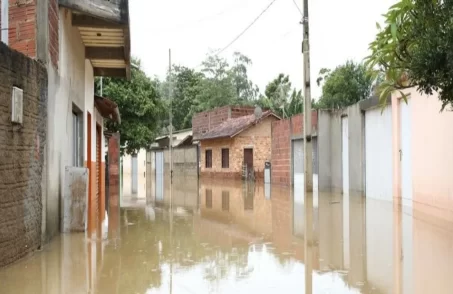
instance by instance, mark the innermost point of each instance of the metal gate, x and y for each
(378, 154)
(159, 176)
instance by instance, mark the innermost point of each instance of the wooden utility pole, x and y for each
(308, 154)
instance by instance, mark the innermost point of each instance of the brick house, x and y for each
(58, 47)
(205, 121)
(237, 143)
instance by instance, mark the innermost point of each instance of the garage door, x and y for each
(378, 152)
(298, 166)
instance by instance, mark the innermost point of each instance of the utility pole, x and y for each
(308, 145)
(308, 152)
(171, 115)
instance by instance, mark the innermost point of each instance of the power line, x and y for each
(247, 28)
(298, 8)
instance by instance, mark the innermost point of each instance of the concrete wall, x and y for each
(432, 156)
(257, 137)
(184, 161)
(72, 84)
(141, 174)
(330, 149)
(22, 160)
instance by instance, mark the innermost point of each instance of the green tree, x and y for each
(281, 98)
(185, 89)
(246, 90)
(140, 107)
(345, 85)
(413, 49)
(217, 86)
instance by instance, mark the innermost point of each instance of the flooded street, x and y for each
(232, 237)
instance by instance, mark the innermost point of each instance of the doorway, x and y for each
(248, 162)
(100, 200)
(91, 209)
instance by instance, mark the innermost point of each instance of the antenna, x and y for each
(258, 112)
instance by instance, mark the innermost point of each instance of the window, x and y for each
(208, 198)
(225, 158)
(208, 158)
(77, 133)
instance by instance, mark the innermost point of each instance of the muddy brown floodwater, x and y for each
(232, 237)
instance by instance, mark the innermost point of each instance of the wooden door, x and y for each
(248, 161)
(248, 158)
(99, 198)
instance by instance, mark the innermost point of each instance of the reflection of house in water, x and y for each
(183, 193)
(237, 214)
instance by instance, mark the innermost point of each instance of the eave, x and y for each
(107, 108)
(105, 30)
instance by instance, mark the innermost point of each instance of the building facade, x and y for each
(238, 147)
(75, 42)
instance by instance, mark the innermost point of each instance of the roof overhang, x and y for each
(104, 26)
(107, 108)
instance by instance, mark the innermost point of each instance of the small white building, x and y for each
(142, 171)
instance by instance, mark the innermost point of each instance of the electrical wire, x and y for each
(298, 8)
(247, 28)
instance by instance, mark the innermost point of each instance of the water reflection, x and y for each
(233, 237)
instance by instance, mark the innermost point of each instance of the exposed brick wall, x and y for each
(53, 32)
(257, 137)
(204, 121)
(297, 123)
(22, 26)
(238, 111)
(282, 133)
(281, 153)
(22, 160)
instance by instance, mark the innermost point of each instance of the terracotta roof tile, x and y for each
(234, 126)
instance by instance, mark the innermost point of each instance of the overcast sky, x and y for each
(340, 30)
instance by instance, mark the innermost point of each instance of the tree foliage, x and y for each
(140, 108)
(216, 84)
(345, 85)
(145, 103)
(281, 98)
(414, 49)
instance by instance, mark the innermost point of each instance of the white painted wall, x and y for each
(127, 175)
(378, 153)
(72, 82)
(406, 151)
